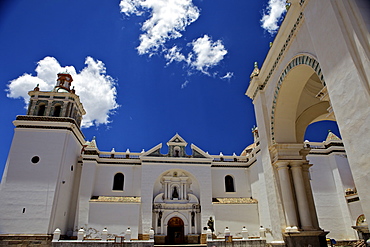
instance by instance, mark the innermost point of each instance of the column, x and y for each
(306, 179)
(195, 230)
(287, 194)
(180, 191)
(165, 190)
(168, 196)
(189, 220)
(300, 191)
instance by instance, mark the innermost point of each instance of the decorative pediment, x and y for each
(177, 140)
(155, 151)
(176, 146)
(199, 153)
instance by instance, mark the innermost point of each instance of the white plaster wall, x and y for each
(33, 186)
(343, 52)
(253, 177)
(329, 195)
(356, 210)
(270, 205)
(105, 175)
(87, 181)
(117, 217)
(235, 216)
(241, 182)
(64, 190)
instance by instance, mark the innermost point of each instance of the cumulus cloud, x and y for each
(96, 89)
(206, 53)
(272, 15)
(168, 18)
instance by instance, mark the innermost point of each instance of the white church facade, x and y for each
(281, 189)
(64, 182)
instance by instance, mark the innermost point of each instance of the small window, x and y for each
(41, 110)
(118, 181)
(229, 184)
(57, 109)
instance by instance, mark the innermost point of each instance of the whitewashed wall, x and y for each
(42, 189)
(241, 182)
(330, 177)
(104, 180)
(235, 216)
(117, 217)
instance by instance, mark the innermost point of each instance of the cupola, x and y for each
(64, 82)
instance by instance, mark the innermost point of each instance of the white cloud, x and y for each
(272, 15)
(228, 76)
(95, 88)
(174, 54)
(129, 7)
(184, 84)
(168, 19)
(206, 53)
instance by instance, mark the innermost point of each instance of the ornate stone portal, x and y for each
(176, 202)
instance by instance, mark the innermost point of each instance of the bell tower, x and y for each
(42, 171)
(60, 102)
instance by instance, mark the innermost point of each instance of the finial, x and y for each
(270, 44)
(256, 71)
(94, 138)
(287, 5)
(329, 131)
(36, 88)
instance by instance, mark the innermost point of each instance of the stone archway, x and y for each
(298, 100)
(175, 231)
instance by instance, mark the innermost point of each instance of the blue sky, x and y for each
(144, 69)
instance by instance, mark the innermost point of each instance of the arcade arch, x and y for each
(300, 99)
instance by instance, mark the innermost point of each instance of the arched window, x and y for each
(118, 181)
(57, 109)
(41, 110)
(229, 184)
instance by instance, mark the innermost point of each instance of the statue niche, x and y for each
(175, 194)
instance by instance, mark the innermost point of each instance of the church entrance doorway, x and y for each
(175, 231)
